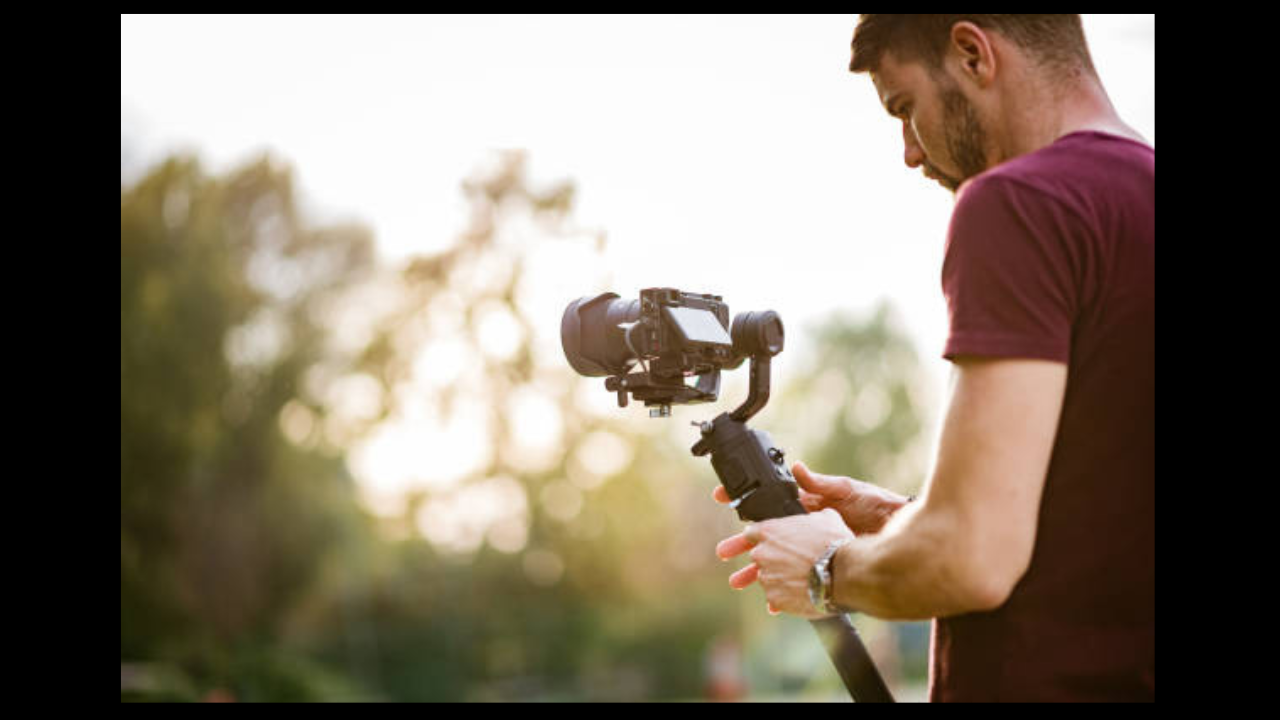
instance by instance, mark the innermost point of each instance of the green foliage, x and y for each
(223, 524)
(259, 354)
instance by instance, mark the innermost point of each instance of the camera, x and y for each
(671, 335)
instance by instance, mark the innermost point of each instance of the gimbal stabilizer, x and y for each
(681, 334)
(752, 470)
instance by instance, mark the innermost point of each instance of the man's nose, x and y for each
(912, 154)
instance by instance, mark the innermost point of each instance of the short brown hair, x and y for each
(1057, 41)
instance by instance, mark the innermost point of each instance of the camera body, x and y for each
(671, 335)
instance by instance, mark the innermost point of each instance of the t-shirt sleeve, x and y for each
(1007, 274)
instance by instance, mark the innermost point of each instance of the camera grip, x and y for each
(754, 473)
(752, 469)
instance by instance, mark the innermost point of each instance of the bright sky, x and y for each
(734, 155)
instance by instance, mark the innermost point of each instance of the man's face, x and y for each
(941, 131)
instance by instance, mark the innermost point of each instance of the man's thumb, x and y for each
(832, 488)
(811, 481)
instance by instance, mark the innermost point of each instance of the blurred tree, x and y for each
(257, 352)
(552, 566)
(572, 557)
(223, 524)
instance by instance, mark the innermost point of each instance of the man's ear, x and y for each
(972, 49)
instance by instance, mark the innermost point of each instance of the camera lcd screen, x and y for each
(698, 325)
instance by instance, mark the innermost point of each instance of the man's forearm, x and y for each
(915, 568)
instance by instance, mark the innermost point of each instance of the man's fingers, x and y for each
(744, 577)
(828, 486)
(720, 494)
(808, 479)
(811, 502)
(733, 546)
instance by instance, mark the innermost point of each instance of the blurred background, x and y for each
(354, 464)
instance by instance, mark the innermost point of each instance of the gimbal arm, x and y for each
(758, 394)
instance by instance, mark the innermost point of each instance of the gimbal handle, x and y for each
(760, 486)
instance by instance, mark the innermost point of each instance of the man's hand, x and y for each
(864, 507)
(783, 550)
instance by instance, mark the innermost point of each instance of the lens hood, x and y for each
(571, 336)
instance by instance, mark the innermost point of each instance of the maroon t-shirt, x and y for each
(1052, 255)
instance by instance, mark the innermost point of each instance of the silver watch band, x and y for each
(826, 573)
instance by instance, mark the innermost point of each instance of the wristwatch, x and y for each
(821, 584)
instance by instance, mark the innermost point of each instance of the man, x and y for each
(1033, 541)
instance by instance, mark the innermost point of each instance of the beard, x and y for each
(965, 138)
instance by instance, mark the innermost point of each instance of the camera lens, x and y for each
(593, 343)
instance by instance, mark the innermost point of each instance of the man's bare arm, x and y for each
(969, 540)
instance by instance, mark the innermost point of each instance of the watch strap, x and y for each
(826, 573)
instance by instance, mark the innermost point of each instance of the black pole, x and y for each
(852, 662)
